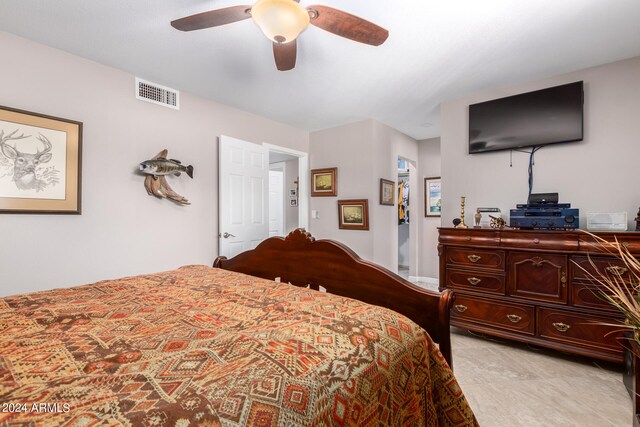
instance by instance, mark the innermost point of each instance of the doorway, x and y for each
(243, 193)
(276, 199)
(404, 218)
(283, 193)
(295, 186)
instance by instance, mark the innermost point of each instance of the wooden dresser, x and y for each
(526, 285)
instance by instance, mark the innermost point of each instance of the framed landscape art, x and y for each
(40, 163)
(353, 214)
(324, 182)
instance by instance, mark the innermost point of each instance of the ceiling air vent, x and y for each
(157, 94)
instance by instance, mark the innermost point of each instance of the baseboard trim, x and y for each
(429, 280)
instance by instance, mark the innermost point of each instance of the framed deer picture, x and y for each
(40, 163)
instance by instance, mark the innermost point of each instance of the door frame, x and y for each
(303, 181)
(414, 215)
(280, 167)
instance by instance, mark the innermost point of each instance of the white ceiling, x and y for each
(437, 50)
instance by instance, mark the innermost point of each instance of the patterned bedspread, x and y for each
(200, 346)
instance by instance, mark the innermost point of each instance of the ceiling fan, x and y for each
(282, 21)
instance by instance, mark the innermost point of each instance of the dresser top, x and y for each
(554, 240)
(518, 230)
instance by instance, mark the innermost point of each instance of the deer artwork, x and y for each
(26, 164)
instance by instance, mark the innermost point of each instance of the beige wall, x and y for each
(429, 166)
(350, 149)
(389, 145)
(363, 152)
(122, 230)
(598, 174)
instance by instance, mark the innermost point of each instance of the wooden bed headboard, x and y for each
(302, 260)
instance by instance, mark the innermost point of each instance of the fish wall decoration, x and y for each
(156, 169)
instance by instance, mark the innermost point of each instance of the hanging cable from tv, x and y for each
(532, 163)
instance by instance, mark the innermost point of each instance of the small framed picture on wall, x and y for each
(386, 192)
(353, 214)
(324, 182)
(432, 196)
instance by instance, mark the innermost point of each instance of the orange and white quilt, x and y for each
(200, 346)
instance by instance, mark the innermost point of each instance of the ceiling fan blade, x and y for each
(346, 25)
(212, 18)
(285, 55)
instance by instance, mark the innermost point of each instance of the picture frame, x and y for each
(293, 203)
(293, 192)
(353, 214)
(324, 182)
(40, 163)
(432, 196)
(387, 192)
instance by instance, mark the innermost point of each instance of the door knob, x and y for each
(227, 235)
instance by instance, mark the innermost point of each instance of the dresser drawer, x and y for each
(462, 257)
(590, 296)
(631, 241)
(513, 317)
(469, 237)
(580, 329)
(536, 240)
(475, 281)
(610, 267)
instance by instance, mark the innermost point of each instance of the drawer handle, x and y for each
(614, 269)
(461, 308)
(562, 327)
(474, 258)
(563, 279)
(514, 318)
(473, 280)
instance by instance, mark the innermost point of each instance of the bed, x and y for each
(215, 346)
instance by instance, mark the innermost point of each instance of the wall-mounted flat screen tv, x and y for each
(546, 116)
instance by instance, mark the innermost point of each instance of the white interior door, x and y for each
(243, 203)
(276, 203)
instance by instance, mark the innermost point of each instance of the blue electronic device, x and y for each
(552, 216)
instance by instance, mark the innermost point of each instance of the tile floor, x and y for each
(511, 384)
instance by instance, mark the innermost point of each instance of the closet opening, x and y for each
(404, 263)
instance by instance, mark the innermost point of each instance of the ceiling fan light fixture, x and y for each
(280, 20)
